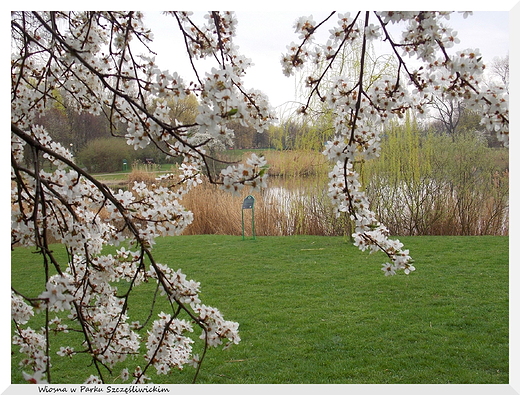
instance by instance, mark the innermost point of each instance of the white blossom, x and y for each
(21, 312)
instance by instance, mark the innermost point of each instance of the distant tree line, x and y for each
(98, 146)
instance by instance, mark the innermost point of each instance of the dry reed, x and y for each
(276, 213)
(296, 163)
(141, 176)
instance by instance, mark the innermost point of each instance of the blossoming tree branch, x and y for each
(362, 104)
(102, 63)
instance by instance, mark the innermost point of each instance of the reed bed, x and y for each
(443, 213)
(296, 202)
(296, 163)
(288, 210)
(277, 212)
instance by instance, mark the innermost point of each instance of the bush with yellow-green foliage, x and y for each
(431, 183)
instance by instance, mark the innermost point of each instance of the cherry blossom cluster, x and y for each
(362, 103)
(88, 61)
(253, 174)
(86, 286)
(33, 345)
(21, 312)
(216, 328)
(224, 97)
(348, 197)
(201, 41)
(169, 349)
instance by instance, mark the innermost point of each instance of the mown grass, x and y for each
(316, 310)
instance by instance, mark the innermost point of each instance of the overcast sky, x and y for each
(264, 35)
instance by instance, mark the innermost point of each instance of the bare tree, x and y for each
(448, 112)
(500, 68)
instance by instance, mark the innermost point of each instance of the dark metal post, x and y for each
(249, 204)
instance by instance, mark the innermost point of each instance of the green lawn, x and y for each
(316, 310)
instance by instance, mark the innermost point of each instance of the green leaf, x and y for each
(232, 112)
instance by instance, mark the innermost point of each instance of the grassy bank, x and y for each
(316, 310)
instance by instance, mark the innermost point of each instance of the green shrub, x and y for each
(435, 184)
(106, 155)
